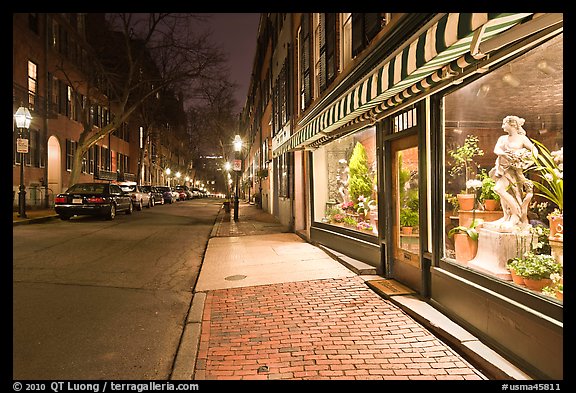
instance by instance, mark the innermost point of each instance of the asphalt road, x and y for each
(97, 299)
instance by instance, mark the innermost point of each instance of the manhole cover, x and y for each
(235, 277)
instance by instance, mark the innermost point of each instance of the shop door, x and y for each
(406, 265)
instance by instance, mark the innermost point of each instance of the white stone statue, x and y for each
(514, 153)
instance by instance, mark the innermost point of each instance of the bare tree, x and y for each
(213, 122)
(137, 57)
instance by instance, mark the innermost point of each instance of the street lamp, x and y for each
(23, 119)
(168, 171)
(237, 169)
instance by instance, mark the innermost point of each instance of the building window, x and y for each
(491, 127)
(32, 84)
(33, 22)
(283, 175)
(345, 182)
(304, 63)
(346, 41)
(325, 48)
(405, 120)
(70, 150)
(365, 26)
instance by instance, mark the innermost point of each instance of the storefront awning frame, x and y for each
(425, 60)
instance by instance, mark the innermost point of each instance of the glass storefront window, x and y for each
(345, 182)
(493, 127)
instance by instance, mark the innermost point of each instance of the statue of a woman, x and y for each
(514, 153)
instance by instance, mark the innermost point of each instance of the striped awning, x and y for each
(419, 64)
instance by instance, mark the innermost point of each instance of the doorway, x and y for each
(54, 168)
(405, 219)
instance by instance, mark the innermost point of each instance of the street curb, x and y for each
(34, 220)
(185, 362)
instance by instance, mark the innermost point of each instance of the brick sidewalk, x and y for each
(320, 329)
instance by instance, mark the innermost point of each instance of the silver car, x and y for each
(139, 197)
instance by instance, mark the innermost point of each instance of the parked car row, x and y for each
(107, 199)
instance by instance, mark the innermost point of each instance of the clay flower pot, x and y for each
(466, 201)
(516, 278)
(491, 204)
(465, 247)
(556, 226)
(537, 284)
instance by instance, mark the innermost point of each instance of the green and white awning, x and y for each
(416, 66)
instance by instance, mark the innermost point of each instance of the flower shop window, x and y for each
(345, 189)
(503, 172)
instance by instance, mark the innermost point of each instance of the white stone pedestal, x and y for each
(557, 247)
(496, 248)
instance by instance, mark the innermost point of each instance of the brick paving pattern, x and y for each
(322, 329)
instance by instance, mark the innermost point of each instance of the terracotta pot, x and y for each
(556, 226)
(491, 204)
(516, 278)
(559, 295)
(466, 201)
(407, 230)
(538, 284)
(465, 247)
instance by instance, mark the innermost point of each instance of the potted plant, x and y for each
(535, 269)
(453, 201)
(408, 220)
(550, 167)
(360, 180)
(488, 197)
(556, 289)
(465, 240)
(463, 157)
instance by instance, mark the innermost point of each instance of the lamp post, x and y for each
(23, 119)
(168, 171)
(237, 169)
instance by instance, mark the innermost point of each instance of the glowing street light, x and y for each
(23, 119)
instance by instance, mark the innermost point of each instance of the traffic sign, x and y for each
(21, 145)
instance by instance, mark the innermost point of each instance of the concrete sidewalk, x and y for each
(269, 305)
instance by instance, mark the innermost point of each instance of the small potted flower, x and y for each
(463, 163)
(408, 220)
(465, 241)
(488, 197)
(536, 269)
(550, 167)
(556, 289)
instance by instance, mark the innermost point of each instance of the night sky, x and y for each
(236, 34)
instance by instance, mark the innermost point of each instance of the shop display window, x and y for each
(503, 173)
(345, 182)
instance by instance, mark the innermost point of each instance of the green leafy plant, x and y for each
(556, 287)
(360, 181)
(535, 266)
(471, 230)
(550, 167)
(453, 201)
(487, 189)
(408, 217)
(463, 157)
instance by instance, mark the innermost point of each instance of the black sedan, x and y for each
(96, 199)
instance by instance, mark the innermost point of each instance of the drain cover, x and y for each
(235, 277)
(263, 369)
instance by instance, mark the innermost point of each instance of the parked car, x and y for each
(96, 199)
(175, 193)
(139, 197)
(187, 192)
(167, 194)
(155, 195)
